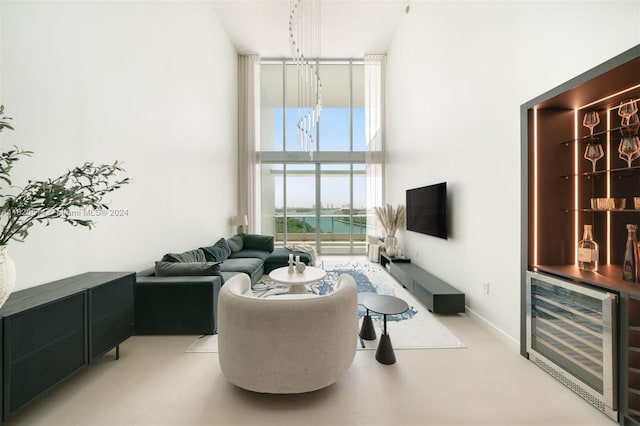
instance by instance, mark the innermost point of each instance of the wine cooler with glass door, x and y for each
(570, 335)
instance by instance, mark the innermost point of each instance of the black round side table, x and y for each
(367, 331)
(385, 305)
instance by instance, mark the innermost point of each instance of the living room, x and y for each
(154, 85)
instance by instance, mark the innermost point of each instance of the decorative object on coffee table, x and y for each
(291, 269)
(297, 281)
(391, 220)
(41, 201)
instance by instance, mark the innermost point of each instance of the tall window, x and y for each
(318, 199)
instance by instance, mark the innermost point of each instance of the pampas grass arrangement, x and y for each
(391, 219)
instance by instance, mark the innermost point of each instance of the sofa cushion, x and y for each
(226, 276)
(262, 255)
(235, 243)
(148, 272)
(280, 257)
(257, 242)
(196, 255)
(172, 269)
(246, 265)
(217, 252)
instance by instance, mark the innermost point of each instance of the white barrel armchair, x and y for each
(288, 343)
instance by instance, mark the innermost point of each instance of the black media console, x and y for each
(438, 296)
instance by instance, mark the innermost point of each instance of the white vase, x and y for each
(7, 275)
(391, 246)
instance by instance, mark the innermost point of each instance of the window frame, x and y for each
(319, 157)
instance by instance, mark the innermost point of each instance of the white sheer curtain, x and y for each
(248, 134)
(374, 74)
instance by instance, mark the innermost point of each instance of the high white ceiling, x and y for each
(349, 28)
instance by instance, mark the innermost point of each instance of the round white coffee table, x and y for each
(297, 280)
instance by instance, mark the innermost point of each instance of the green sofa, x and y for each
(179, 295)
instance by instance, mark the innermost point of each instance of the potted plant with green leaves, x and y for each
(43, 201)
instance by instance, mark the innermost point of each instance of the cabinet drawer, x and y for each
(111, 315)
(423, 295)
(32, 330)
(42, 346)
(403, 277)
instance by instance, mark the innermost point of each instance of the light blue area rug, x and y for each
(416, 328)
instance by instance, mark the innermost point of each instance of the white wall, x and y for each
(457, 75)
(149, 83)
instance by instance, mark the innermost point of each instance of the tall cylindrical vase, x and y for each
(7, 275)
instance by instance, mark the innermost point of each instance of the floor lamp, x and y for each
(241, 221)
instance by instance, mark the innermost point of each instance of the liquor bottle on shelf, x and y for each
(588, 252)
(630, 267)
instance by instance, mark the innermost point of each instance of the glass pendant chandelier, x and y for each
(304, 39)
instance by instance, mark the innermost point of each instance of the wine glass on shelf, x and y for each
(627, 109)
(629, 149)
(593, 153)
(630, 125)
(591, 119)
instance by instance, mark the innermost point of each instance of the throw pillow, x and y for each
(217, 252)
(172, 269)
(188, 256)
(235, 243)
(257, 242)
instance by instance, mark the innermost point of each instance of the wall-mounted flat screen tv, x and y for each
(427, 210)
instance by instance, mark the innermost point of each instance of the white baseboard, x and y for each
(484, 323)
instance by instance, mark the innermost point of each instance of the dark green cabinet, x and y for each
(438, 296)
(51, 331)
(42, 345)
(110, 305)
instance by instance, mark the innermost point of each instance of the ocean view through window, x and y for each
(320, 199)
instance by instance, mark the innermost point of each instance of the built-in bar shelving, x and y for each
(559, 185)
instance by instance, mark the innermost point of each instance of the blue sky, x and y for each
(334, 136)
(334, 129)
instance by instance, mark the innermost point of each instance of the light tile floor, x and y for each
(156, 383)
